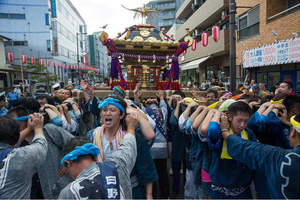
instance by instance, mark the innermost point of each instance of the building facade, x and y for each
(269, 48)
(166, 18)
(45, 29)
(208, 62)
(98, 55)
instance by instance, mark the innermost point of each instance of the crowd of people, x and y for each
(74, 145)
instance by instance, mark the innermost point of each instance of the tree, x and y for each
(91, 75)
(41, 74)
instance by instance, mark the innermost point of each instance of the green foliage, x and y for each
(40, 74)
(91, 75)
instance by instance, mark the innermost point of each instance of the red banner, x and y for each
(10, 56)
(42, 62)
(24, 59)
(33, 60)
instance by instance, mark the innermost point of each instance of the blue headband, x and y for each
(86, 149)
(23, 118)
(111, 101)
(119, 90)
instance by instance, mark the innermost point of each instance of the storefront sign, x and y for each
(282, 52)
(53, 9)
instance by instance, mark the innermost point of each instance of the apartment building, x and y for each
(211, 61)
(268, 42)
(166, 18)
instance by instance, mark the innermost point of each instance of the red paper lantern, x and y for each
(216, 33)
(194, 46)
(33, 60)
(53, 64)
(42, 62)
(48, 63)
(24, 59)
(204, 39)
(59, 65)
(10, 56)
(64, 66)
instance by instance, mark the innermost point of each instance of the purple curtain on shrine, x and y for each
(114, 68)
(175, 69)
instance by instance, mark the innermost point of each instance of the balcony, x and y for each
(185, 10)
(212, 49)
(207, 14)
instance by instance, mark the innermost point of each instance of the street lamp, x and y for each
(78, 61)
(77, 42)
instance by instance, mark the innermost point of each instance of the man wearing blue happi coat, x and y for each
(230, 178)
(281, 166)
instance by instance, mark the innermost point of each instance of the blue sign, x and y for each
(53, 8)
(47, 19)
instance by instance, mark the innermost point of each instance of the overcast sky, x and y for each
(97, 13)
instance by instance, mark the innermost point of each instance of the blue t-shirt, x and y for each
(12, 96)
(3, 111)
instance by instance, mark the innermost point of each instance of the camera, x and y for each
(174, 103)
(45, 115)
(69, 106)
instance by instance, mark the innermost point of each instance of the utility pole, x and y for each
(232, 44)
(22, 73)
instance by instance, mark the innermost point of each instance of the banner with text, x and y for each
(281, 52)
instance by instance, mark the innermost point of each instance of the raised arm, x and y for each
(199, 119)
(196, 112)
(209, 117)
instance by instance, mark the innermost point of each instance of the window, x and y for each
(12, 16)
(248, 23)
(16, 43)
(48, 45)
(291, 3)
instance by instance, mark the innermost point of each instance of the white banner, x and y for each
(282, 52)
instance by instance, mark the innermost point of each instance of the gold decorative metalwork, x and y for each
(127, 35)
(145, 33)
(152, 39)
(189, 39)
(143, 12)
(103, 36)
(138, 39)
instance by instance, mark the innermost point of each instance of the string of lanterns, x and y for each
(48, 63)
(204, 38)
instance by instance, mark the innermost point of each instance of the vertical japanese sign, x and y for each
(53, 9)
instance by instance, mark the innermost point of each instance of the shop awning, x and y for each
(193, 64)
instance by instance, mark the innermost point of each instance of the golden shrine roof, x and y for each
(145, 37)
